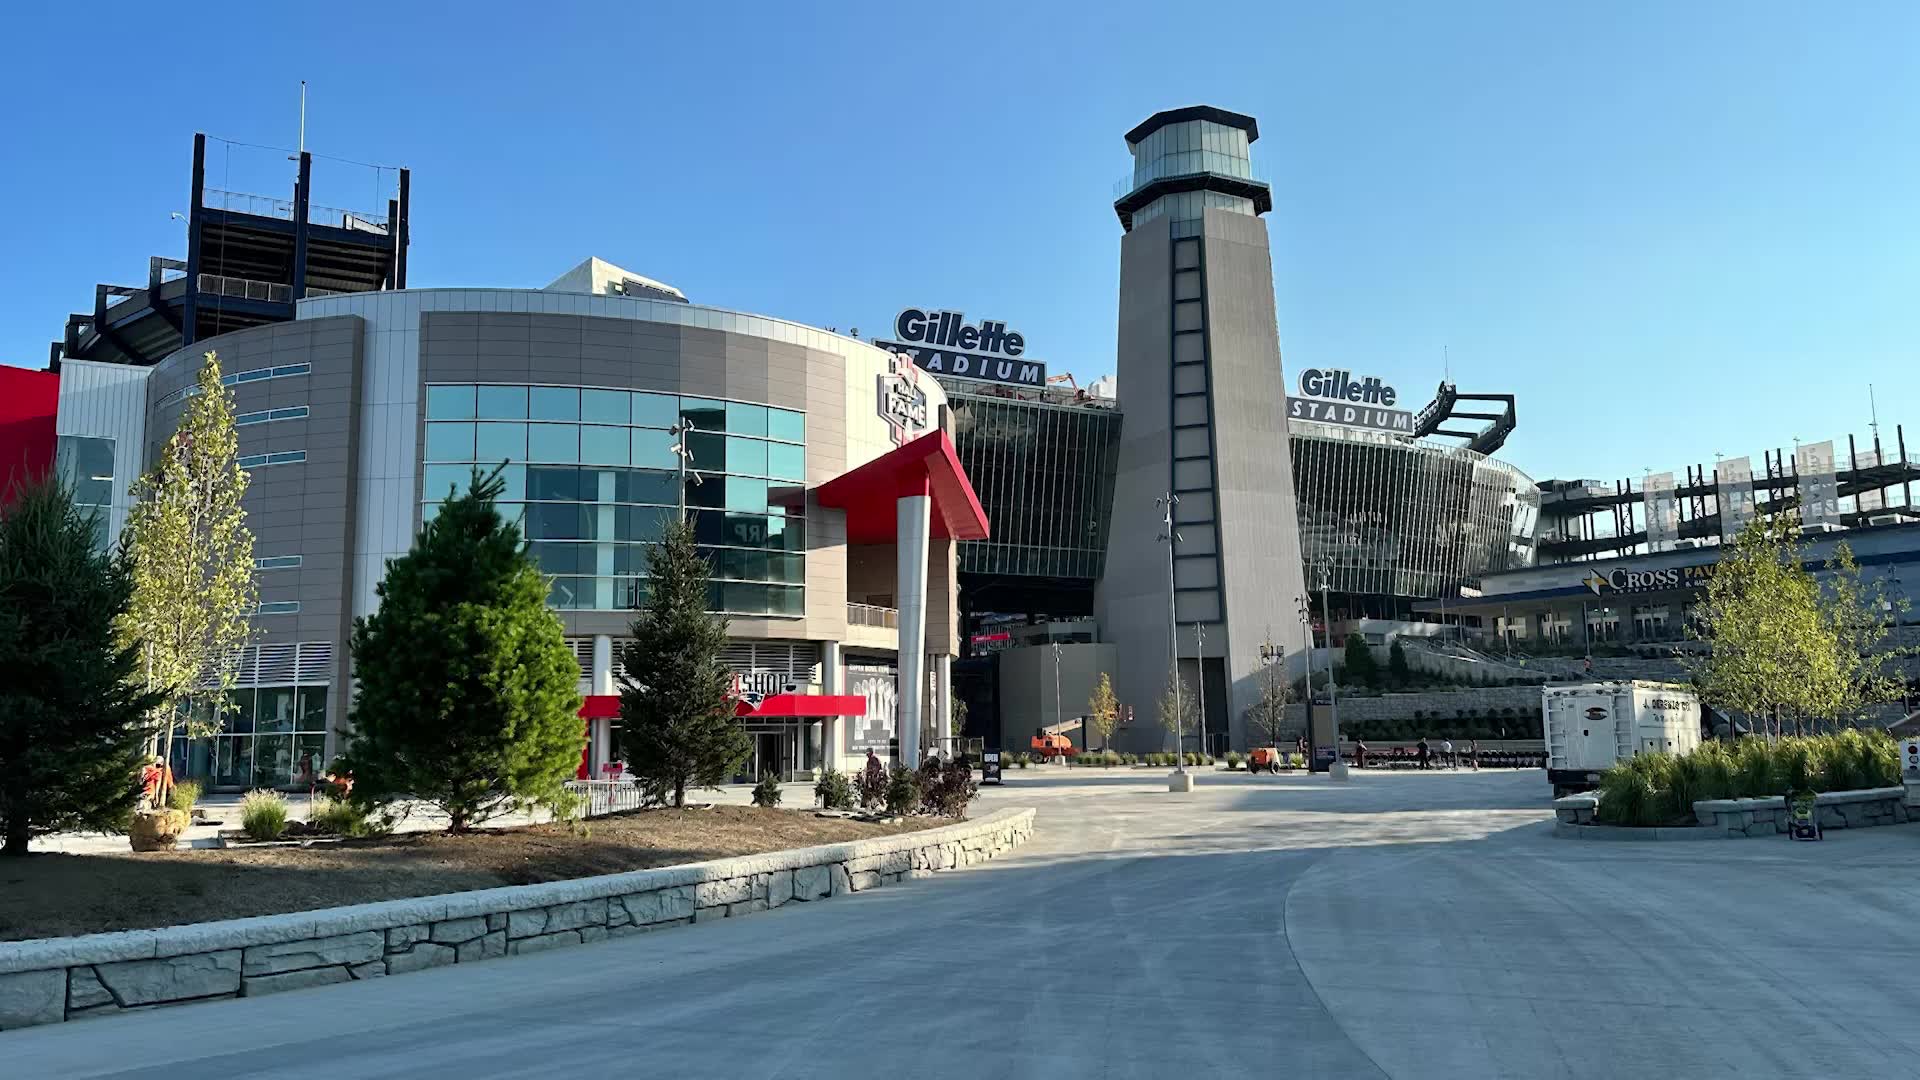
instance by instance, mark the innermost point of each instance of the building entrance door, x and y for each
(770, 754)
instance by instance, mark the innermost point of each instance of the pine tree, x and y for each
(677, 725)
(468, 697)
(1103, 711)
(73, 712)
(1358, 662)
(191, 557)
(1397, 668)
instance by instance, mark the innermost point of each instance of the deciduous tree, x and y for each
(1103, 711)
(1267, 716)
(191, 559)
(1179, 711)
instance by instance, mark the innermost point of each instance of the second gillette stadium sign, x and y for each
(944, 343)
(1332, 396)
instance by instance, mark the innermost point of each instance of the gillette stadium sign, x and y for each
(945, 343)
(1333, 396)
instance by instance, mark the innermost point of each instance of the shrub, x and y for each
(1626, 798)
(263, 815)
(766, 793)
(872, 785)
(902, 791)
(834, 790)
(1233, 760)
(183, 796)
(947, 789)
(341, 818)
(1754, 771)
(1024, 760)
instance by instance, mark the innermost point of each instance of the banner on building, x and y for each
(1819, 489)
(1663, 512)
(1734, 492)
(1873, 498)
(875, 730)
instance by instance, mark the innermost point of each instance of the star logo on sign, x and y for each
(1594, 581)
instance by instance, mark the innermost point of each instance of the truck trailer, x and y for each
(1590, 726)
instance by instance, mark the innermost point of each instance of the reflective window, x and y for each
(593, 479)
(450, 402)
(500, 442)
(786, 424)
(655, 410)
(600, 445)
(553, 442)
(449, 442)
(502, 402)
(85, 466)
(606, 406)
(554, 403)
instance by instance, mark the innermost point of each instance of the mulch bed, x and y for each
(55, 895)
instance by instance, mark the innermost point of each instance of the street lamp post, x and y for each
(1338, 769)
(1182, 780)
(1057, 719)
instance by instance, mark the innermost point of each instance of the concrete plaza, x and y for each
(1403, 925)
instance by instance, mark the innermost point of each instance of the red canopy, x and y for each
(926, 466)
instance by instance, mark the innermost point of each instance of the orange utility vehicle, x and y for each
(1266, 759)
(1050, 746)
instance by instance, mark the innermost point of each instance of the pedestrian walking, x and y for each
(1360, 753)
(1422, 752)
(1473, 754)
(1446, 753)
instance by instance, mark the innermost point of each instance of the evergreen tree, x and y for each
(468, 697)
(1103, 711)
(73, 713)
(1358, 661)
(1397, 667)
(677, 725)
(191, 557)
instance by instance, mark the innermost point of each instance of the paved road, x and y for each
(1260, 925)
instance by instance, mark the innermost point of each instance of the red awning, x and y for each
(804, 705)
(926, 466)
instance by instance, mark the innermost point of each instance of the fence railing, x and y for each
(602, 797)
(244, 288)
(873, 615)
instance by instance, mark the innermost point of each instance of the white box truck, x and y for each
(1590, 726)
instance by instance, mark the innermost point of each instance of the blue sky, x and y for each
(1671, 229)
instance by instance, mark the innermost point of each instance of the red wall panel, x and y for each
(28, 401)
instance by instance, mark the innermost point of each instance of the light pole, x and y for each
(1305, 604)
(1182, 780)
(1338, 769)
(1200, 664)
(1270, 655)
(1057, 719)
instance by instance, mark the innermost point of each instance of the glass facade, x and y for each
(1190, 148)
(85, 466)
(1044, 474)
(1396, 520)
(592, 477)
(269, 737)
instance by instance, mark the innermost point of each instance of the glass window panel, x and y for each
(512, 513)
(554, 403)
(744, 419)
(603, 445)
(570, 593)
(630, 559)
(449, 402)
(745, 494)
(746, 456)
(787, 534)
(560, 521)
(706, 491)
(312, 715)
(275, 709)
(309, 759)
(791, 569)
(553, 442)
(653, 449)
(655, 410)
(562, 558)
(439, 480)
(236, 716)
(709, 451)
(515, 478)
(786, 462)
(605, 406)
(786, 601)
(428, 511)
(645, 523)
(449, 442)
(786, 424)
(553, 483)
(743, 598)
(642, 486)
(500, 442)
(503, 402)
(272, 761)
(599, 485)
(706, 415)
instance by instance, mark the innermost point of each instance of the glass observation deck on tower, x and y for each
(1186, 160)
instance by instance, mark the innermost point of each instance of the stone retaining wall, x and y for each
(1749, 817)
(55, 979)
